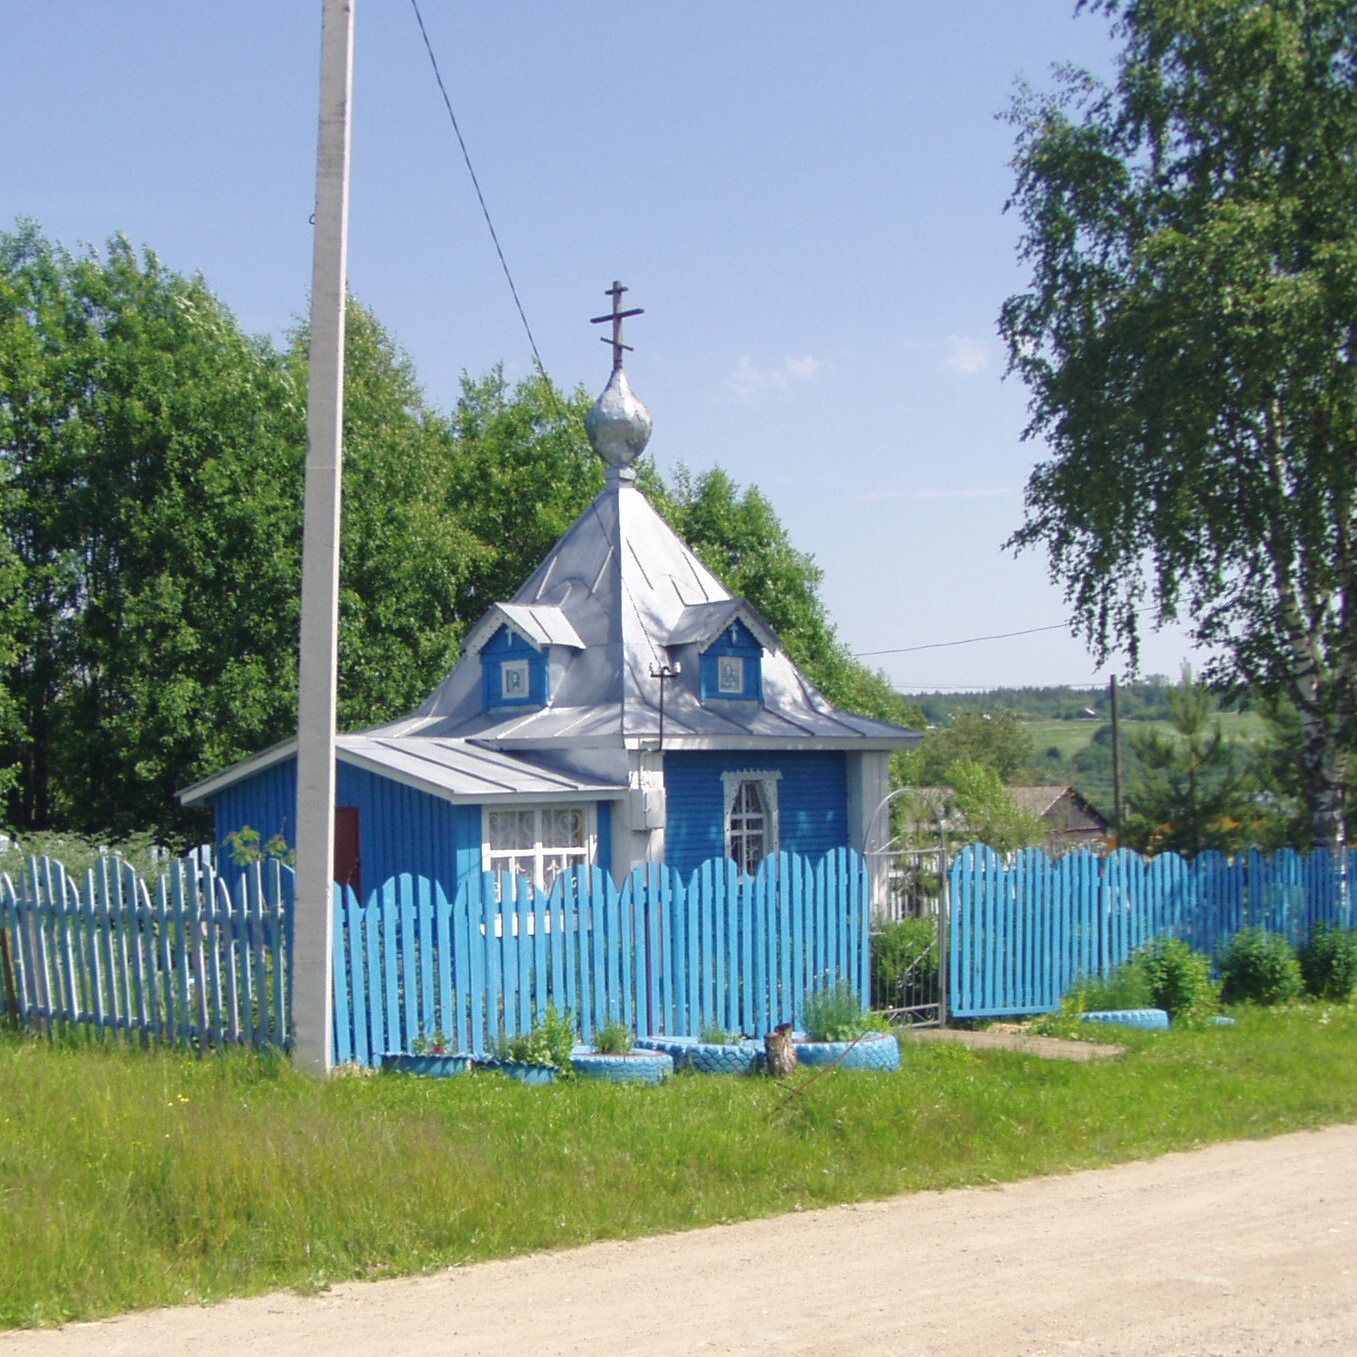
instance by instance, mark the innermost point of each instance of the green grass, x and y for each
(1072, 736)
(131, 1179)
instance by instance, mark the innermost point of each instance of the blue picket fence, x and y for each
(1024, 929)
(186, 959)
(657, 953)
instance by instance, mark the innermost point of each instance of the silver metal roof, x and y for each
(455, 770)
(618, 599)
(637, 599)
(542, 626)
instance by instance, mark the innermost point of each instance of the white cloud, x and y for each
(748, 379)
(966, 356)
(803, 369)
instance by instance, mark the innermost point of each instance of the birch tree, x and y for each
(1188, 341)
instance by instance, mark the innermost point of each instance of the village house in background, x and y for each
(621, 708)
(1071, 821)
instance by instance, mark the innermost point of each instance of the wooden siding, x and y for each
(401, 829)
(744, 647)
(266, 802)
(507, 644)
(406, 830)
(812, 803)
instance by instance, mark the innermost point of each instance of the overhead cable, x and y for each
(969, 641)
(485, 211)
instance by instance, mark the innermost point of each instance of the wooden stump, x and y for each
(781, 1051)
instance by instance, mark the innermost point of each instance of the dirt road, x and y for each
(1245, 1248)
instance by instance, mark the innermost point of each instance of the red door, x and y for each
(348, 866)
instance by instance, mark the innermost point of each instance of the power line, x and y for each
(969, 641)
(928, 689)
(476, 183)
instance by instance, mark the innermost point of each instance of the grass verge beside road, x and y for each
(131, 1179)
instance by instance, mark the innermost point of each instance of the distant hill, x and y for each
(1147, 700)
(1071, 746)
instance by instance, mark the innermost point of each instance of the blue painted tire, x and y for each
(1148, 1019)
(431, 1066)
(1223, 1020)
(640, 1067)
(708, 1057)
(518, 1071)
(876, 1051)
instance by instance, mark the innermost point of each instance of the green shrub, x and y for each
(1179, 980)
(905, 963)
(80, 853)
(549, 1043)
(1260, 968)
(614, 1038)
(1328, 962)
(834, 1012)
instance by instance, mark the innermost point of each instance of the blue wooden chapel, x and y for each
(621, 708)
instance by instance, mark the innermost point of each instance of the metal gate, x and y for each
(909, 920)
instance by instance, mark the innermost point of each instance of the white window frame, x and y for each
(544, 861)
(766, 780)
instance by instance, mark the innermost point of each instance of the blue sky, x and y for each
(805, 198)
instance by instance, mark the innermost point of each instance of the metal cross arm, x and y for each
(617, 316)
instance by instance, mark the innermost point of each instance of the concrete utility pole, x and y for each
(1116, 763)
(313, 948)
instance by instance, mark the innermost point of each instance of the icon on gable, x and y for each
(730, 675)
(513, 677)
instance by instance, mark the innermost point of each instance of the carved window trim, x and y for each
(751, 829)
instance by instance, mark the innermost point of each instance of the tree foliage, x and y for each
(996, 739)
(988, 812)
(1188, 340)
(151, 465)
(1192, 790)
(148, 448)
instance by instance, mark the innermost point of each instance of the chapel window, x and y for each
(751, 818)
(539, 842)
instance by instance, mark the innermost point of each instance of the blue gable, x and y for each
(740, 677)
(514, 673)
(812, 802)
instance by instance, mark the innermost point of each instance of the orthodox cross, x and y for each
(617, 316)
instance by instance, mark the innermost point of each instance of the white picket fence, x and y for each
(187, 959)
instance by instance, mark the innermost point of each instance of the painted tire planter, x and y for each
(876, 1051)
(431, 1066)
(640, 1067)
(1148, 1019)
(708, 1057)
(518, 1071)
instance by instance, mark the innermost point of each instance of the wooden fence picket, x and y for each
(185, 959)
(1023, 931)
